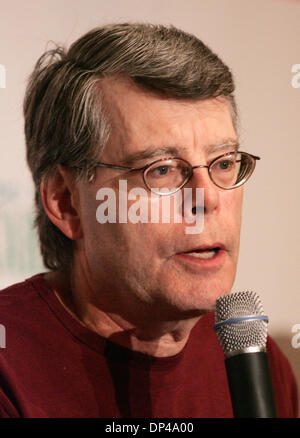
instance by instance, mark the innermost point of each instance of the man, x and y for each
(122, 324)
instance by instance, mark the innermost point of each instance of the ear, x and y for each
(61, 202)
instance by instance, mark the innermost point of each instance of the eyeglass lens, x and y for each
(226, 172)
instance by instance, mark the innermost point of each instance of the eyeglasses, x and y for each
(167, 176)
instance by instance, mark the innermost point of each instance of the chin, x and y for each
(180, 308)
(198, 300)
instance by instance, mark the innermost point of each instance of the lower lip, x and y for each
(214, 262)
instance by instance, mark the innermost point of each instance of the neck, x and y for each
(155, 338)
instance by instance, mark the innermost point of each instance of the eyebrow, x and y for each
(153, 152)
(230, 143)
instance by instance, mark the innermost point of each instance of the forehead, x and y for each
(143, 120)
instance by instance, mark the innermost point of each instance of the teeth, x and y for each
(203, 255)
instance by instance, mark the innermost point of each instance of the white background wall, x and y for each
(260, 40)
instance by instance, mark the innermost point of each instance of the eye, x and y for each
(225, 164)
(160, 171)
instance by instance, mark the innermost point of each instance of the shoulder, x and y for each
(284, 382)
(19, 303)
(22, 309)
(17, 290)
(18, 295)
(279, 361)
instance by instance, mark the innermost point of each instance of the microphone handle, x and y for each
(250, 385)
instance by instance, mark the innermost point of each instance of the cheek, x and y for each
(232, 203)
(232, 208)
(88, 207)
(114, 218)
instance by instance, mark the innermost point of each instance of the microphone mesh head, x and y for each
(243, 334)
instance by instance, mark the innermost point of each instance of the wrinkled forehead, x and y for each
(141, 120)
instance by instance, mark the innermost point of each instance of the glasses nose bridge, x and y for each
(200, 166)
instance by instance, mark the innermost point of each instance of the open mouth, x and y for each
(204, 253)
(206, 256)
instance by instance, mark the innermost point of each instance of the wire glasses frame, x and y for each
(182, 171)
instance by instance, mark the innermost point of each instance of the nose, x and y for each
(201, 179)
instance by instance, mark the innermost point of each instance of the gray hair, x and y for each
(65, 117)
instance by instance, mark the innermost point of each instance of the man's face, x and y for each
(137, 267)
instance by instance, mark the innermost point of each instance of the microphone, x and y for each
(241, 326)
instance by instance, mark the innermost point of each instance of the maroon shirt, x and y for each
(53, 366)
